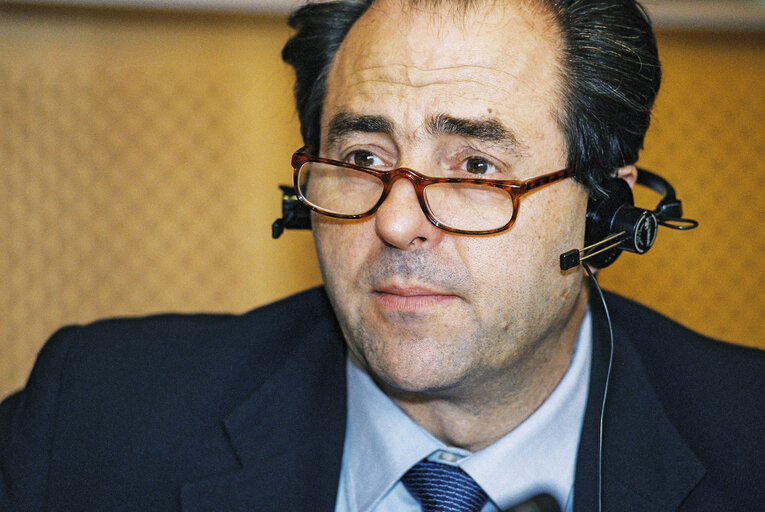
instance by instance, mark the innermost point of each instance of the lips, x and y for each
(411, 298)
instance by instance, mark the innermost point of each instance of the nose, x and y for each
(400, 221)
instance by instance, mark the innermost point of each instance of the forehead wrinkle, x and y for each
(420, 76)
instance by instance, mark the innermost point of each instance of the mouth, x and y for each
(411, 298)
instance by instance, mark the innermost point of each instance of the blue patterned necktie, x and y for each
(444, 488)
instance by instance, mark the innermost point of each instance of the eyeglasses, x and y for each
(470, 206)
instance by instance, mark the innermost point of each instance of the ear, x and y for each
(629, 174)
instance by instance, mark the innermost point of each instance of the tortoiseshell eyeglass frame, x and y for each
(515, 189)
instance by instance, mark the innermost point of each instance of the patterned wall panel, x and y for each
(140, 158)
(708, 139)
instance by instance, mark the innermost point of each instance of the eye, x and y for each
(364, 159)
(476, 165)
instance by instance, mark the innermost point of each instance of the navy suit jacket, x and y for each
(230, 413)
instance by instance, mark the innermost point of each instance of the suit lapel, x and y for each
(288, 436)
(647, 466)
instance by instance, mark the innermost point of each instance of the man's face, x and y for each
(426, 311)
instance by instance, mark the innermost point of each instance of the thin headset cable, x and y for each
(605, 388)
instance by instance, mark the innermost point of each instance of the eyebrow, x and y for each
(486, 130)
(344, 123)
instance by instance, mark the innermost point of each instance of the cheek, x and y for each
(341, 246)
(527, 257)
(552, 220)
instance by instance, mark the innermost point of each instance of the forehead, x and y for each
(499, 57)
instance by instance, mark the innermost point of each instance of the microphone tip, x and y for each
(277, 228)
(569, 259)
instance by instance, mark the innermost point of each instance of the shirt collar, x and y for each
(539, 455)
(381, 442)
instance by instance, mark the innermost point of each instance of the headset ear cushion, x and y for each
(601, 211)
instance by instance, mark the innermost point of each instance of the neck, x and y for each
(480, 413)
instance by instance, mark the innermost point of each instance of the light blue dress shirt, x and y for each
(382, 443)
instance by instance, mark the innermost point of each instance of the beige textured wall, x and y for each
(140, 159)
(708, 139)
(140, 156)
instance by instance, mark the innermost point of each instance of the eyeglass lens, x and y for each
(342, 191)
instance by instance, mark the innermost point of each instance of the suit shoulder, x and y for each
(105, 398)
(710, 389)
(194, 352)
(689, 363)
(162, 332)
(660, 337)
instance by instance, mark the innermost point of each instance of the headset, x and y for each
(614, 224)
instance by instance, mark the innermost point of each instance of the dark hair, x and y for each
(320, 29)
(611, 75)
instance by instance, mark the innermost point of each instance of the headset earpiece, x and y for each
(613, 214)
(614, 224)
(601, 210)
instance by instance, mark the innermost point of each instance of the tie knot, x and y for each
(444, 488)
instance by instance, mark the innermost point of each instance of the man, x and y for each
(472, 359)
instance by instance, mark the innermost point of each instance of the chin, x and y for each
(417, 367)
